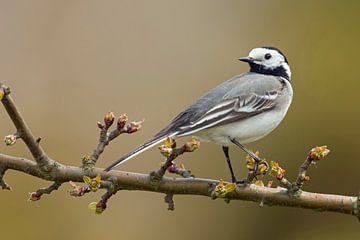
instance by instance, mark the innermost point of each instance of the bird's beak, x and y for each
(247, 59)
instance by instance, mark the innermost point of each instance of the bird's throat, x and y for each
(279, 71)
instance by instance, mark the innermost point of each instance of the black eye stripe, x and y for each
(267, 56)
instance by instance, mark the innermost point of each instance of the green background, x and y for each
(69, 62)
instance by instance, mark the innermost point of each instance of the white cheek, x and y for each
(273, 62)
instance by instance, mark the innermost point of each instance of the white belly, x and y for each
(245, 131)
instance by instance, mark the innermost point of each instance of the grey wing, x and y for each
(240, 97)
(231, 110)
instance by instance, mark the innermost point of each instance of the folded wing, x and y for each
(232, 109)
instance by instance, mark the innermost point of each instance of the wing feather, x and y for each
(231, 110)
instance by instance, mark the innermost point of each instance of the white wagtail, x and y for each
(241, 110)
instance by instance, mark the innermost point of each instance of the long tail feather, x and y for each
(138, 150)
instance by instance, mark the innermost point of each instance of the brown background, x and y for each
(69, 62)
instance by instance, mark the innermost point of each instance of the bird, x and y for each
(241, 110)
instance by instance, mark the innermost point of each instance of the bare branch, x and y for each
(315, 154)
(195, 186)
(23, 131)
(168, 163)
(106, 137)
(35, 196)
(102, 204)
(171, 152)
(169, 199)
(180, 170)
(3, 184)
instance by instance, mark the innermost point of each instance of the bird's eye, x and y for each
(267, 56)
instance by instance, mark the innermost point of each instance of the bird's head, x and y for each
(269, 61)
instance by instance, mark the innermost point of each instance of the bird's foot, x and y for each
(261, 166)
(242, 182)
(233, 179)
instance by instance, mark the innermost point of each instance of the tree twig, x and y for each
(171, 152)
(180, 170)
(169, 199)
(106, 137)
(35, 196)
(316, 154)
(3, 184)
(23, 131)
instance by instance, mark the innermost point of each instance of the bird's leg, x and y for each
(250, 153)
(233, 178)
(226, 152)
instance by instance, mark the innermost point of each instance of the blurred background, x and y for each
(69, 62)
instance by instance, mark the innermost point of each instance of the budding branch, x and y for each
(92, 178)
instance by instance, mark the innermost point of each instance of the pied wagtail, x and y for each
(241, 110)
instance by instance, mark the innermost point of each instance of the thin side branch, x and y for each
(102, 204)
(172, 152)
(314, 155)
(23, 131)
(169, 199)
(106, 137)
(35, 196)
(180, 170)
(3, 184)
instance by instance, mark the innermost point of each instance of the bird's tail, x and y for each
(152, 142)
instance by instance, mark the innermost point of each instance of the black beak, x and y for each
(247, 59)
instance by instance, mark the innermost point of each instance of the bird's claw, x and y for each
(259, 161)
(242, 182)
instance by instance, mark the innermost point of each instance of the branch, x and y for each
(170, 151)
(169, 199)
(3, 184)
(316, 154)
(35, 196)
(106, 137)
(48, 169)
(23, 131)
(195, 186)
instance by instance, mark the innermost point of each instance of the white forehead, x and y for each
(259, 53)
